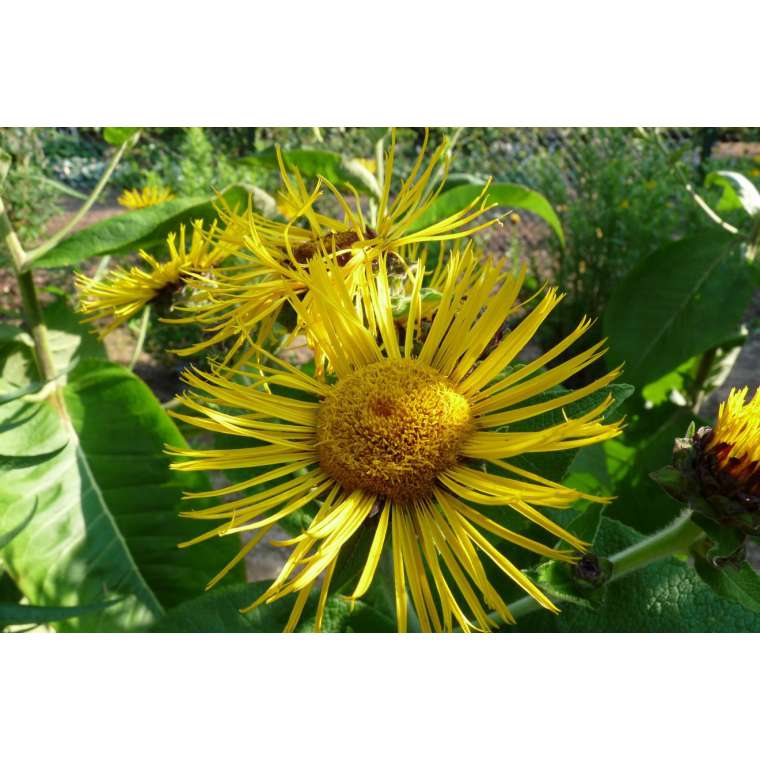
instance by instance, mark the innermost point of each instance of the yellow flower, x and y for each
(124, 292)
(148, 196)
(368, 163)
(390, 444)
(734, 444)
(274, 256)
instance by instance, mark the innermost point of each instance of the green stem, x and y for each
(698, 199)
(41, 250)
(29, 299)
(144, 322)
(674, 539)
(36, 324)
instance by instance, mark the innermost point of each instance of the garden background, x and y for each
(634, 225)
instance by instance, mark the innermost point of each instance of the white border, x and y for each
(375, 696)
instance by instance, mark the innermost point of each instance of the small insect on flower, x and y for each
(123, 293)
(273, 257)
(395, 444)
(148, 196)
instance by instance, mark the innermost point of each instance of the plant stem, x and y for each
(144, 322)
(41, 250)
(698, 199)
(36, 325)
(674, 539)
(29, 299)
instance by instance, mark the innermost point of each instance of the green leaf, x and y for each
(726, 544)
(8, 536)
(144, 228)
(677, 303)
(666, 596)
(342, 172)
(218, 611)
(555, 465)
(20, 461)
(107, 519)
(506, 195)
(118, 135)
(584, 582)
(28, 614)
(69, 341)
(738, 192)
(645, 446)
(740, 584)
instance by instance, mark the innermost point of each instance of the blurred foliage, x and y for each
(31, 198)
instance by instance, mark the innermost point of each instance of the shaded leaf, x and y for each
(28, 614)
(740, 584)
(677, 303)
(218, 611)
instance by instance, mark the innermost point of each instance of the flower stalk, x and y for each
(676, 538)
(41, 250)
(29, 299)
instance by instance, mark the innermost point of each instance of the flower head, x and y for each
(390, 443)
(717, 470)
(734, 445)
(273, 257)
(123, 293)
(148, 196)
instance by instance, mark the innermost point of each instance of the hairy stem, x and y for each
(29, 299)
(144, 322)
(674, 539)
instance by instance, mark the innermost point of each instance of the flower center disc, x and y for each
(390, 428)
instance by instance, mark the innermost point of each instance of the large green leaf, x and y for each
(9, 535)
(144, 228)
(218, 611)
(645, 446)
(740, 584)
(676, 303)
(28, 614)
(342, 172)
(666, 596)
(507, 195)
(107, 519)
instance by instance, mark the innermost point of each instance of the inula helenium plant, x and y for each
(376, 418)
